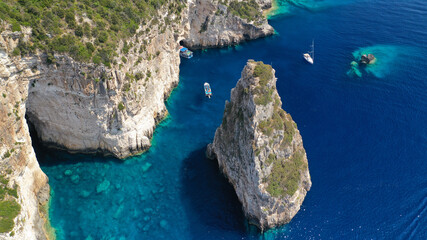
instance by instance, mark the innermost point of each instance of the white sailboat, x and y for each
(309, 56)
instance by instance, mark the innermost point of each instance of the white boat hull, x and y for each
(308, 58)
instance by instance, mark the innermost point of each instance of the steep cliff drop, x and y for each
(24, 191)
(260, 150)
(217, 23)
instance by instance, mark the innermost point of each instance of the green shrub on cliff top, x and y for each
(264, 72)
(109, 22)
(263, 92)
(249, 10)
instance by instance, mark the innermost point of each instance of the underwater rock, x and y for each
(68, 172)
(103, 186)
(354, 70)
(75, 179)
(118, 211)
(148, 210)
(146, 166)
(135, 213)
(84, 194)
(367, 59)
(89, 237)
(164, 224)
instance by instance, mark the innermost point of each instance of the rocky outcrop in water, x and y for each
(260, 150)
(367, 59)
(18, 164)
(216, 24)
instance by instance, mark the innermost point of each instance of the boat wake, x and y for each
(415, 219)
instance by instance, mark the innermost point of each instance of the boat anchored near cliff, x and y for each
(208, 91)
(309, 56)
(184, 52)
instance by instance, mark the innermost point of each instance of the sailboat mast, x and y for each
(312, 48)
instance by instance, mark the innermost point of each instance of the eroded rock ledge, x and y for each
(260, 150)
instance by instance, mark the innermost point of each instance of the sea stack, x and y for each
(260, 150)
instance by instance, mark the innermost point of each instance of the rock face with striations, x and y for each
(216, 24)
(260, 150)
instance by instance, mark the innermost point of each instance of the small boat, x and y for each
(309, 56)
(184, 52)
(208, 91)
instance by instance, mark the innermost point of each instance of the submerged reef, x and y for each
(287, 7)
(385, 61)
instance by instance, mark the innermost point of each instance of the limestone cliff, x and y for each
(18, 165)
(83, 107)
(214, 23)
(87, 108)
(260, 150)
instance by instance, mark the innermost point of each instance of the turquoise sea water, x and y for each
(289, 7)
(365, 137)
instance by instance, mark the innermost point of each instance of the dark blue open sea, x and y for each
(365, 137)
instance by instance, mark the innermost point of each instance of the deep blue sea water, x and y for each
(365, 137)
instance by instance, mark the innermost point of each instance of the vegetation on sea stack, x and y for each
(264, 93)
(285, 173)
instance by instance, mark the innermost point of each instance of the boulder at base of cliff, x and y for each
(260, 150)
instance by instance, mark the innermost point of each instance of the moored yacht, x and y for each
(208, 91)
(309, 56)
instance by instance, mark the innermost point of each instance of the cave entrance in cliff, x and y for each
(181, 43)
(35, 139)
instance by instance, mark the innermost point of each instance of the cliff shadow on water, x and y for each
(210, 201)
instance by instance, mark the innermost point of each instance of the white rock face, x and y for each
(85, 108)
(21, 167)
(258, 143)
(212, 24)
(76, 106)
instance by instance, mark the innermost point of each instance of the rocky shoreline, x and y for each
(83, 107)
